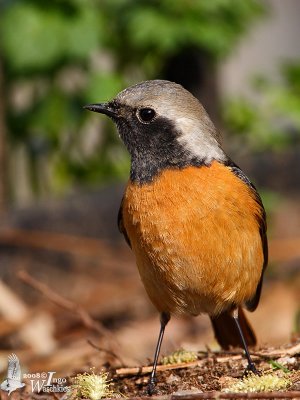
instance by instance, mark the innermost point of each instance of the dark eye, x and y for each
(146, 114)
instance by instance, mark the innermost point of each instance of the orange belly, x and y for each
(196, 239)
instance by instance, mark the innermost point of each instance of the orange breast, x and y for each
(196, 239)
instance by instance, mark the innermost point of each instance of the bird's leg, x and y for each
(251, 367)
(164, 319)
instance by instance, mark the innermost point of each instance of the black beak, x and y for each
(102, 108)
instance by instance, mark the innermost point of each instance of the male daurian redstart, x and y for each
(194, 221)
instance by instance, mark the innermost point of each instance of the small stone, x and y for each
(287, 360)
(186, 392)
(172, 378)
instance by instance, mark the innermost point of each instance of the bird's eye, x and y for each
(146, 114)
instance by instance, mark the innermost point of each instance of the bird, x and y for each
(194, 221)
(13, 380)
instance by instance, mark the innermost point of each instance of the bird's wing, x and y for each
(14, 369)
(121, 225)
(253, 302)
(3, 385)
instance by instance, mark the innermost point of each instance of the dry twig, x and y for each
(148, 369)
(219, 395)
(288, 351)
(198, 363)
(109, 352)
(69, 305)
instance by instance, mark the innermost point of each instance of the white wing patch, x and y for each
(14, 369)
(13, 380)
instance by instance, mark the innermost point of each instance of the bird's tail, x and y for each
(226, 331)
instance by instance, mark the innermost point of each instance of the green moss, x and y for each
(255, 383)
(179, 357)
(92, 386)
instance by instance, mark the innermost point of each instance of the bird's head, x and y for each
(163, 126)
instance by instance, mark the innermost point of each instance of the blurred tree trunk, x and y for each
(3, 145)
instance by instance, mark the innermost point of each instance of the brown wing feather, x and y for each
(121, 224)
(253, 302)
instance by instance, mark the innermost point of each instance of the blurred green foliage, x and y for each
(271, 121)
(58, 55)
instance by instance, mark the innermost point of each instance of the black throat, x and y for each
(155, 147)
(146, 167)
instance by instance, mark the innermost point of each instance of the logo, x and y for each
(13, 380)
(40, 381)
(47, 383)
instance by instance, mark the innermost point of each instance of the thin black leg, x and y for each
(164, 319)
(251, 366)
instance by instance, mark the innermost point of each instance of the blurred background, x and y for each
(63, 170)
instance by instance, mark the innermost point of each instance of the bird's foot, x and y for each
(151, 386)
(251, 368)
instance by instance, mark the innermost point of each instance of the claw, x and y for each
(251, 368)
(151, 386)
